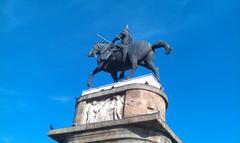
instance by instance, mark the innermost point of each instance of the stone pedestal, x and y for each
(128, 111)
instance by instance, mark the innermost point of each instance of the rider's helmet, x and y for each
(126, 29)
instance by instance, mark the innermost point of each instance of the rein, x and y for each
(106, 49)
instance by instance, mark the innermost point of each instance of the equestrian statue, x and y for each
(114, 58)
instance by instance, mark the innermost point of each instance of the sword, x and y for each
(103, 38)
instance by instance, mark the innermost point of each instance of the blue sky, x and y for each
(44, 63)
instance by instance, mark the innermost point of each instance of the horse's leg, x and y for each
(134, 62)
(95, 71)
(114, 76)
(150, 65)
(154, 68)
(121, 76)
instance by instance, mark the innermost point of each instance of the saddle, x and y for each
(104, 56)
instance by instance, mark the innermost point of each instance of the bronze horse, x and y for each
(140, 53)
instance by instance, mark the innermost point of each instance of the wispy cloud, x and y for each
(11, 92)
(11, 19)
(21, 102)
(5, 91)
(61, 99)
(6, 139)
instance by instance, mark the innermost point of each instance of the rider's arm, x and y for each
(119, 37)
(116, 38)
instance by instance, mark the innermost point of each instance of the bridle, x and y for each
(107, 49)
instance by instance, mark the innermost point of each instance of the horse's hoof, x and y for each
(121, 76)
(127, 78)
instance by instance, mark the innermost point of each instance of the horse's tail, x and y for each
(162, 44)
(159, 44)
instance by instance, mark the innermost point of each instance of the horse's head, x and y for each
(94, 51)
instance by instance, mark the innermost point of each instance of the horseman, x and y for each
(126, 42)
(139, 53)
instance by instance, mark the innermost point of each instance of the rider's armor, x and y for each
(126, 41)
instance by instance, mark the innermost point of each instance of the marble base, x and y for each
(131, 111)
(140, 129)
